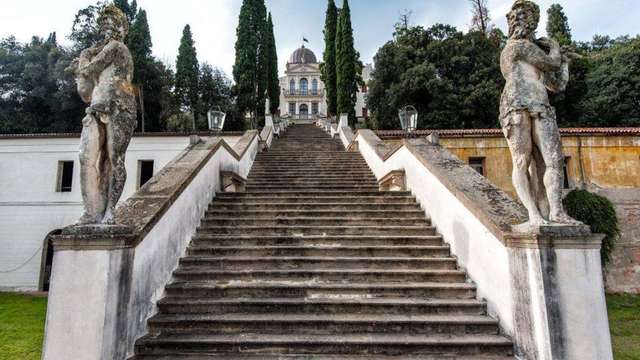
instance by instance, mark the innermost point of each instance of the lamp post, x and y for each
(408, 116)
(216, 120)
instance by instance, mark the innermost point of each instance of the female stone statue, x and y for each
(104, 73)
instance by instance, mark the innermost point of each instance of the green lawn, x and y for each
(624, 317)
(21, 326)
(22, 323)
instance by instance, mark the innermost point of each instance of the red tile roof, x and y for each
(454, 133)
(146, 134)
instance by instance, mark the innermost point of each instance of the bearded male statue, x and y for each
(104, 73)
(532, 67)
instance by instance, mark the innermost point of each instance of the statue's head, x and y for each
(113, 23)
(523, 19)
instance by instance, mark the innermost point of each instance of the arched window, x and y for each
(304, 110)
(292, 86)
(314, 87)
(304, 86)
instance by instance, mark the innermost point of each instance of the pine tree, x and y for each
(558, 25)
(273, 82)
(186, 86)
(139, 43)
(250, 68)
(329, 66)
(346, 60)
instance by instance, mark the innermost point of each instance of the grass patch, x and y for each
(624, 319)
(21, 326)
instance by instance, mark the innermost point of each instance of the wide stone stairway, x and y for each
(313, 262)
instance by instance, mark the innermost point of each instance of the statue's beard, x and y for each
(520, 30)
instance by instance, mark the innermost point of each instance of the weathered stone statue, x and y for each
(532, 67)
(104, 73)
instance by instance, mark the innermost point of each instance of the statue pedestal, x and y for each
(558, 298)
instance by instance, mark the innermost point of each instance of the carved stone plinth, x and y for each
(232, 182)
(393, 181)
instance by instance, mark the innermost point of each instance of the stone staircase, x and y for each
(313, 262)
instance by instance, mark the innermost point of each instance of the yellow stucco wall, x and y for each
(604, 161)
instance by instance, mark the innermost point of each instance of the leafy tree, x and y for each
(35, 94)
(215, 92)
(84, 32)
(613, 86)
(346, 65)
(453, 79)
(597, 212)
(558, 25)
(328, 68)
(273, 81)
(159, 101)
(186, 84)
(481, 20)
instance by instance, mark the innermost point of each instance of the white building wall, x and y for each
(30, 207)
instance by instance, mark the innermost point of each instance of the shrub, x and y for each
(597, 212)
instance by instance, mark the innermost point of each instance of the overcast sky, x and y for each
(214, 22)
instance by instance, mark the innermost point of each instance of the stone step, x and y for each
(215, 212)
(271, 356)
(320, 262)
(223, 289)
(320, 324)
(294, 230)
(314, 251)
(370, 344)
(310, 177)
(261, 240)
(301, 188)
(259, 181)
(316, 208)
(210, 221)
(323, 194)
(356, 275)
(384, 306)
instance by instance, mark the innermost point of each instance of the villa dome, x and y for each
(303, 56)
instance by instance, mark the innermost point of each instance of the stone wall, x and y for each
(604, 163)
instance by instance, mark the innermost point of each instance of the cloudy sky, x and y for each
(214, 21)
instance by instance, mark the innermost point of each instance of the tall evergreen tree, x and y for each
(130, 10)
(186, 85)
(346, 65)
(249, 70)
(328, 68)
(139, 43)
(273, 82)
(558, 25)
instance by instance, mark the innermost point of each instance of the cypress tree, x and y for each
(249, 70)
(558, 25)
(328, 75)
(139, 43)
(186, 87)
(261, 28)
(273, 82)
(346, 60)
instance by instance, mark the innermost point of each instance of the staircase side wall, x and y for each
(104, 290)
(477, 249)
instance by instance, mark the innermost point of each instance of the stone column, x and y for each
(88, 305)
(558, 295)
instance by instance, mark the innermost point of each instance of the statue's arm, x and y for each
(537, 57)
(101, 60)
